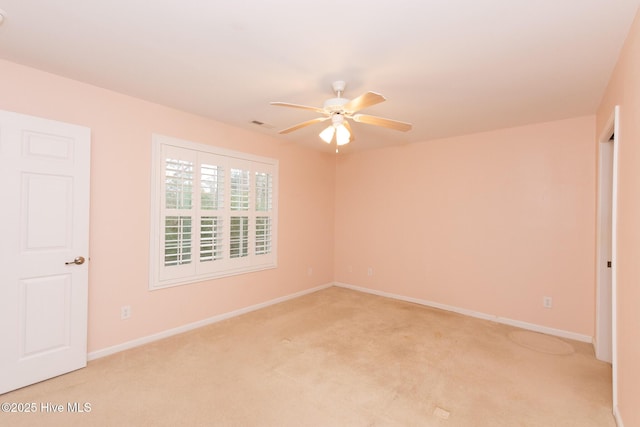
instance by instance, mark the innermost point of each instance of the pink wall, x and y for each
(624, 90)
(119, 234)
(489, 222)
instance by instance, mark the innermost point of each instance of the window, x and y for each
(214, 212)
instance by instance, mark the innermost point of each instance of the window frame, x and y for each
(162, 276)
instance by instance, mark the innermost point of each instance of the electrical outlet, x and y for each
(125, 312)
(547, 302)
(370, 271)
(441, 413)
(309, 271)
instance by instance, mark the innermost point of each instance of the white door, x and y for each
(606, 294)
(44, 229)
(603, 341)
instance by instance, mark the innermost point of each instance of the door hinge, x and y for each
(608, 264)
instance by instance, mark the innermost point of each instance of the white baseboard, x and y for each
(165, 334)
(517, 323)
(617, 416)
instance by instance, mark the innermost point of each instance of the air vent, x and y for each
(262, 124)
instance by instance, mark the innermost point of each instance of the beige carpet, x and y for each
(337, 358)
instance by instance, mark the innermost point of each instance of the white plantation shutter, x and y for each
(239, 237)
(214, 213)
(177, 213)
(239, 220)
(212, 205)
(179, 175)
(211, 238)
(240, 188)
(264, 212)
(264, 192)
(178, 242)
(263, 235)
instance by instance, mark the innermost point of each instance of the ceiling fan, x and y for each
(338, 110)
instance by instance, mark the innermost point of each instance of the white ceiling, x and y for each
(450, 67)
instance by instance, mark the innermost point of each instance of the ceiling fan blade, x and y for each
(303, 124)
(363, 101)
(303, 107)
(379, 121)
(348, 126)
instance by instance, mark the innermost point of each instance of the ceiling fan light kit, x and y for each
(337, 128)
(327, 134)
(343, 136)
(340, 109)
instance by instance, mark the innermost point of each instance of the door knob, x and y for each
(78, 261)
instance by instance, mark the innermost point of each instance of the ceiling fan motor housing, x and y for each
(335, 105)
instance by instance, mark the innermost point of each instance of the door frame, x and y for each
(606, 142)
